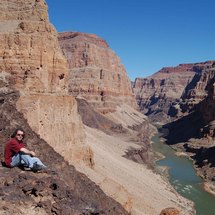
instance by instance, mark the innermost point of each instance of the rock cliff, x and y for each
(171, 92)
(34, 95)
(58, 190)
(194, 132)
(207, 83)
(34, 76)
(95, 72)
(34, 64)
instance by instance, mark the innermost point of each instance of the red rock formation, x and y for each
(95, 72)
(29, 48)
(170, 211)
(172, 91)
(33, 63)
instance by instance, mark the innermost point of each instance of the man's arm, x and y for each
(26, 151)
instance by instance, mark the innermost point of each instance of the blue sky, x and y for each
(146, 34)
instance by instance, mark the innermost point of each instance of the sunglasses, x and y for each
(22, 135)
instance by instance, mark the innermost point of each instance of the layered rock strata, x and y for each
(172, 91)
(95, 72)
(195, 132)
(207, 82)
(204, 152)
(33, 61)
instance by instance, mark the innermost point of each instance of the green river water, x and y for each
(183, 177)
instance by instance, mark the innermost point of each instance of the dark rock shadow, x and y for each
(202, 156)
(191, 85)
(96, 120)
(183, 129)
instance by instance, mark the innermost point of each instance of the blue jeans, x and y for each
(25, 160)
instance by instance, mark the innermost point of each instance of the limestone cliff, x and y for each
(95, 72)
(32, 59)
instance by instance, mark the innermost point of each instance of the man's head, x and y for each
(19, 134)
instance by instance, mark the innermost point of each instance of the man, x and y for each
(17, 155)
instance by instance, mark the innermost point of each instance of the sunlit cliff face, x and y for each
(95, 72)
(37, 68)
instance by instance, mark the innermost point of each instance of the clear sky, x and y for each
(146, 34)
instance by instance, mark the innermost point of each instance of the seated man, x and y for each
(17, 155)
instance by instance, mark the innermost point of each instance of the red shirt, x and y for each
(12, 148)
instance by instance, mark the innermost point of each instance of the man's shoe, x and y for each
(37, 167)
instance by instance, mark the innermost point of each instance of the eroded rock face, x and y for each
(195, 132)
(206, 108)
(172, 92)
(58, 190)
(29, 48)
(95, 72)
(170, 211)
(33, 63)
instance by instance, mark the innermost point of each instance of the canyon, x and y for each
(71, 94)
(34, 96)
(115, 130)
(182, 99)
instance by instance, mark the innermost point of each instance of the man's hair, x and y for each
(15, 132)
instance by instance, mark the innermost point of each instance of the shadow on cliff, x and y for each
(183, 129)
(202, 156)
(187, 131)
(191, 85)
(58, 190)
(96, 120)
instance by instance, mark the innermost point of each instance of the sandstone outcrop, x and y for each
(58, 190)
(95, 72)
(32, 61)
(170, 211)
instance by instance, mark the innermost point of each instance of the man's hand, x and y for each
(32, 153)
(26, 151)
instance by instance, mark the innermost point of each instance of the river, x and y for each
(183, 177)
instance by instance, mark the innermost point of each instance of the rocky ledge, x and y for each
(58, 190)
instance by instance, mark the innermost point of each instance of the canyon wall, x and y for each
(194, 132)
(95, 72)
(60, 189)
(182, 98)
(207, 106)
(34, 64)
(171, 92)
